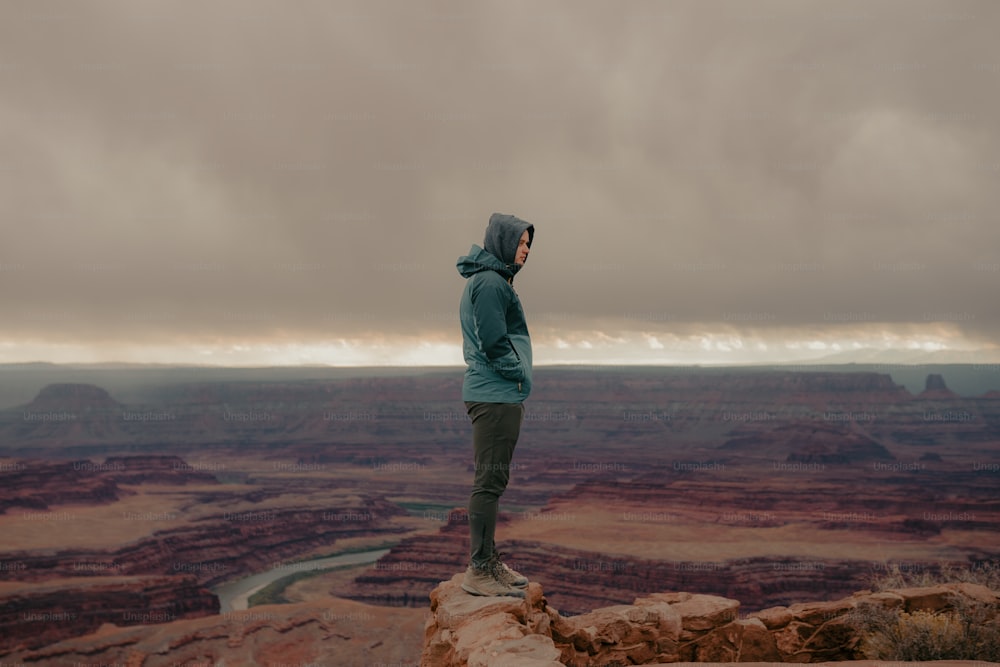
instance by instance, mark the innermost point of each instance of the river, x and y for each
(234, 595)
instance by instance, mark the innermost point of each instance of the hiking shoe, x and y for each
(507, 574)
(485, 581)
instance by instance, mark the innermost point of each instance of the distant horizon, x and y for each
(816, 361)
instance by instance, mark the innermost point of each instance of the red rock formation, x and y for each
(40, 615)
(218, 548)
(329, 632)
(35, 485)
(581, 580)
(936, 389)
(810, 442)
(470, 631)
(76, 398)
(155, 469)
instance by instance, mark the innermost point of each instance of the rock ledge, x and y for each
(469, 631)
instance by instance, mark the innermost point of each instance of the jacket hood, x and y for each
(503, 233)
(479, 260)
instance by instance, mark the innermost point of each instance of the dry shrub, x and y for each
(892, 576)
(968, 631)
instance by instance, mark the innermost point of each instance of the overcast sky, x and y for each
(251, 181)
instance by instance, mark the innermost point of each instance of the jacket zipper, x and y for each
(514, 349)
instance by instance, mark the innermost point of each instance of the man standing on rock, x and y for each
(497, 350)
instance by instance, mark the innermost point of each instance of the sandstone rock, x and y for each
(834, 640)
(975, 592)
(528, 651)
(755, 641)
(774, 617)
(704, 612)
(632, 634)
(466, 629)
(790, 641)
(817, 613)
(927, 598)
(657, 629)
(886, 599)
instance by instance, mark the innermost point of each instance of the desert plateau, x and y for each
(180, 517)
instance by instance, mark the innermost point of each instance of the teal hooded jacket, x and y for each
(496, 343)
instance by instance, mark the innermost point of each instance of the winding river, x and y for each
(234, 595)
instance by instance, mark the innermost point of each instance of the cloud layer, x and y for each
(276, 173)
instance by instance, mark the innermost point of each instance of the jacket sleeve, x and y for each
(489, 313)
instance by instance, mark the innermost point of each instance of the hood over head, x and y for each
(503, 233)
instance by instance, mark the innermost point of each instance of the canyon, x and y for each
(771, 487)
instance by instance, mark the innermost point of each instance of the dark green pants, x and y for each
(495, 428)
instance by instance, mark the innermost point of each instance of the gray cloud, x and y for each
(293, 172)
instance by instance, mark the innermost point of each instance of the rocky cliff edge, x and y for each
(468, 631)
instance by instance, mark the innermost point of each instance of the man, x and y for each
(497, 351)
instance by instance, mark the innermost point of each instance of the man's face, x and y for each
(522, 249)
